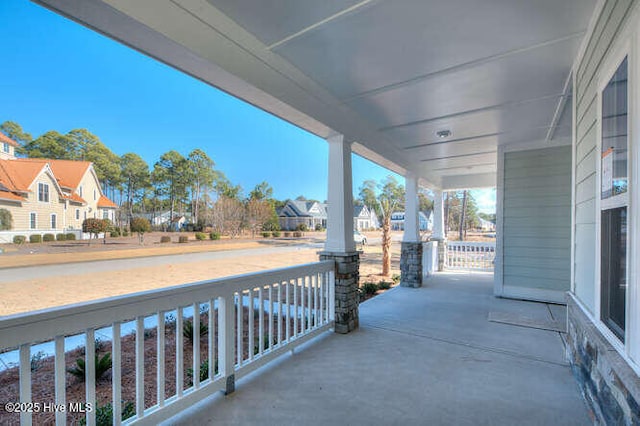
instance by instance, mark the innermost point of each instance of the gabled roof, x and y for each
(10, 196)
(7, 139)
(17, 176)
(69, 173)
(106, 203)
(74, 198)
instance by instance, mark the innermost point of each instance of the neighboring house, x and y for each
(7, 147)
(157, 219)
(364, 218)
(426, 221)
(310, 213)
(45, 195)
(486, 225)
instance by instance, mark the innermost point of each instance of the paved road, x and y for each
(35, 272)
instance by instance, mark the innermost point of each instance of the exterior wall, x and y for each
(536, 224)
(7, 155)
(90, 185)
(21, 213)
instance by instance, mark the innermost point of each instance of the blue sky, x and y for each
(58, 75)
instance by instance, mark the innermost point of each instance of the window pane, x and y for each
(613, 272)
(614, 134)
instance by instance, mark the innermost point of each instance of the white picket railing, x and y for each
(279, 310)
(469, 255)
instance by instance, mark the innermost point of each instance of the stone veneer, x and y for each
(347, 277)
(609, 385)
(411, 265)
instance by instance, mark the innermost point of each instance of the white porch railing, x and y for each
(244, 322)
(468, 255)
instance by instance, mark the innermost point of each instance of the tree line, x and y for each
(182, 185)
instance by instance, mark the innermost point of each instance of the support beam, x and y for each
(439, 233)
(340, 198)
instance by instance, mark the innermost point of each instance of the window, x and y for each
(77, 214)
(94, 195)
(105, 214)
(80, 190)
(5, 147)
(33, 221)
(43, 192)
(54, 220)
(614, 201)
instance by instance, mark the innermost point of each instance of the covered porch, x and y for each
(421, 356)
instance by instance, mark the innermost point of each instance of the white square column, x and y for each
(439, 233)
(340, 198)
(411, 221)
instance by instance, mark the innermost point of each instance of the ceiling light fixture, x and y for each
(443, 133)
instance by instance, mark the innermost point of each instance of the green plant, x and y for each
(36, 360)
(384, 285)
(204, 371)
(297, 234)
(95, 226)
(201, 236)
(165, 239)
(104, 413)
(276, 234)
(318, 227)
(369, 289)
(302, 227)
(6, 221)
(19, 239)
(187, 330)
(125, 233)
(140, 225)
(214, 235)
(183, 239)
(35, 238)
(99, 344)
(61, 237)
(48, 237)
(102, 366)
(70, 236)
(287, 234)
(266, 234)
(114, 234)
(396, 278)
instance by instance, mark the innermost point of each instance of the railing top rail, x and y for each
(70, 319)
(471, 243)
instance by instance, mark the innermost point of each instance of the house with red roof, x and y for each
(49, 196)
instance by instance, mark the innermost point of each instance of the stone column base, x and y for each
(347, 278)
(411, 265)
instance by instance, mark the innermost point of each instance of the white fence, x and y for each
(243, 321)
(468, 255)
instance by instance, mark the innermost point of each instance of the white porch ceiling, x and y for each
(388, 74)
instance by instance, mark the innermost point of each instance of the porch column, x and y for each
(340, 246)
(411, 253)
(439, 234)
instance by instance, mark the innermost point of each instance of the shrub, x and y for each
(214, 235)
(204, 371)
(70, 236)
(125, 233)
(384, 285)
(302, 227)
(19, 239)
(183, 239)
(266, 234)
(201, 236)
(104, 413)
(287, 234)
(140, 225)
(48, 237)
(318, 227)
(95, 226)
(114, 234)
(36, 360)
(297, 234)
(187, 330)
(61, 237)
(276, 233)
(35, 238)
(165, 239)
(395, 278)
(369, 289)
(102, 366)
(6, 221)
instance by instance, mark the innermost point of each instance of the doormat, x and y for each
(522, 321)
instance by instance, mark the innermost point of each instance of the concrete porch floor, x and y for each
(421, 356)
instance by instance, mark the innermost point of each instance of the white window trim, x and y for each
(48, 192)
(36, 221)
(51, 216)
(6, 148)
(627, 46)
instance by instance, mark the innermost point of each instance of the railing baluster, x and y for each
(323, 285)
(331, 299)
(179, 352)
(270, 316)
(251, 325)
(60, 377)
(196, 345)
(309, 307)
(212, 340)
(239, 329)
(295, 306)
(116, 373)
(25, 382)
(287, 287)
(90, 374)
(279, 313)
(140, 367)
(303, 313)
(160, 343)
(316, 308)
(260, 321)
